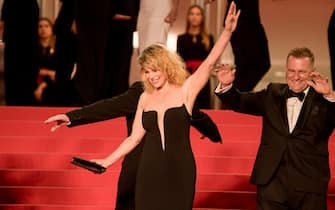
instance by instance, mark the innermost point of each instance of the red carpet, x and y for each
(36, 173)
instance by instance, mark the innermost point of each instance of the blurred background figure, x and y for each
(331, 44)
(120, 46)
(105, 35)
(19, 21)
(65, 54)
(154, 21)
(92, 20)
(45, 61)
(194, 46)
(250, 46)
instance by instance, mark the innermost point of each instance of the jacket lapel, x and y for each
(305, 110)
(280, 110)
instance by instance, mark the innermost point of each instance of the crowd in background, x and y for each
(85, 54)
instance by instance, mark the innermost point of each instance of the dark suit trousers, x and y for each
(279, 194)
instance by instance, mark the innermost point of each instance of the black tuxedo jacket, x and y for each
(305, 149)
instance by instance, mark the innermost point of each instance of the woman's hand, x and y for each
(232, 17)
(59, 119)
(172, 16)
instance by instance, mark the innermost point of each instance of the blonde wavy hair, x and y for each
(158, 57)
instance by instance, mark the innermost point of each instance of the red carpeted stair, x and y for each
(36, 173)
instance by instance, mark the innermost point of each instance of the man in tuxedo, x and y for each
(291, 170)
(125, 105)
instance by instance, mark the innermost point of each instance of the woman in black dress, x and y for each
(167, 172)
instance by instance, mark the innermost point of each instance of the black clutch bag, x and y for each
(91, 166)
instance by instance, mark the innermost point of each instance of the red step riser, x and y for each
(42, 113)
(58, 196)
(71, 207)
(112, 129)
(229, 200)
(50, 207)
(62, 162)
(211, 182)
(35, 166)
(19, 178)
(106, 145)
(36, 129)
(242, 200)
(47, 161)
(103, 196)
(201, 147)
(22, 128)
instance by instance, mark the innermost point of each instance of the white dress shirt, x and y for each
(293, 107)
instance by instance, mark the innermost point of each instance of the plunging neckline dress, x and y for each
(167, 173)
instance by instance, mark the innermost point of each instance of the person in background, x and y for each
(125, 105)
(92, 20)
(291, 170)
(250, 46)
(65, 54)
(331, 45)
(120, 46)
(166, 174)
(194, 46)
(154, 21)
(45, 60)
(19, 22)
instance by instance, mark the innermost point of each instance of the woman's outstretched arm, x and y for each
(130, 142)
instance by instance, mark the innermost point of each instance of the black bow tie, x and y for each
(299, 95)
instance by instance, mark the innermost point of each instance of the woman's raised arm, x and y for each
(196, 81)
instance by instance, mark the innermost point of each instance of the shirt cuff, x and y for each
(330, 98)
(223, 88)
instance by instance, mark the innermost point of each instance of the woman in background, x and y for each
(194, 46)
(154, 21)
(65, 54)
(45, 60)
